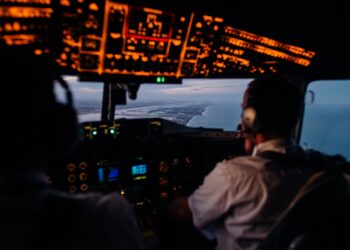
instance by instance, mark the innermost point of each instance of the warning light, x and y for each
(160, 79)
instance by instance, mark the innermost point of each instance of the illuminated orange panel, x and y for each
(236, 59)
(267, 51)
(149, 24)
(19, 39)
(93, 6)
(25, 12)
(269, 42)
(65, 3)
(183, 51)
(47, 2)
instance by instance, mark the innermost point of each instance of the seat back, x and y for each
(317, 220)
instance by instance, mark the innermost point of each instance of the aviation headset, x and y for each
(251, 120)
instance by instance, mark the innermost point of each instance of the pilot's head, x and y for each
(271, 106)
(38, 129)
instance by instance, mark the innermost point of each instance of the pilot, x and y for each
(39, 132)
(242, 198)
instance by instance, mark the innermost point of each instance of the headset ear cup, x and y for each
(248, 119)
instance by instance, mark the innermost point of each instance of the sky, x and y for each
(337, 93)
(208, 90)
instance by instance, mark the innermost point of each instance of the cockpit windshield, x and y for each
(216, 104)
(327, 118)
(208, 103)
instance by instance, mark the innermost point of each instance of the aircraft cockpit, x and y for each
(158, 88)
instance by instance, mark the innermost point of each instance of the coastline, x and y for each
(202, 113)
(180, 113)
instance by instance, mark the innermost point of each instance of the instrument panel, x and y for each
(147, 161)
(113, 41)
(123, 155)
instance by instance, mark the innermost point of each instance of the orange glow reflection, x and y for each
(25, 12)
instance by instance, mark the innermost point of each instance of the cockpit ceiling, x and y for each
(157, 40)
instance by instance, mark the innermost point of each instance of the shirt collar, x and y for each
(275, 145)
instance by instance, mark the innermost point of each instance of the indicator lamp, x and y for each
(160, 79)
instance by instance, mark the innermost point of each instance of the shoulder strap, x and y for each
(280, 161)
(308, 159)
(274, 156)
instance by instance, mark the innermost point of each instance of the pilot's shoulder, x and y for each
(243, 165)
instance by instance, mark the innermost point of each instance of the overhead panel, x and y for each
(107, 40)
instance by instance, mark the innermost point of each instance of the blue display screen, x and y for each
(100, 175)
(108, 174)
(112, 174)
(139, 169)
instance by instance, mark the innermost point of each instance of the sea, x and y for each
(326, 127)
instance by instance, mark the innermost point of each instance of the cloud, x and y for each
(97, 89)
(190, 90)
(207, 87)
(71, 79)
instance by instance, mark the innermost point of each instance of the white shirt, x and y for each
(240, 200)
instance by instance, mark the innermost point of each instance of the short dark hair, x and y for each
(277, 103)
